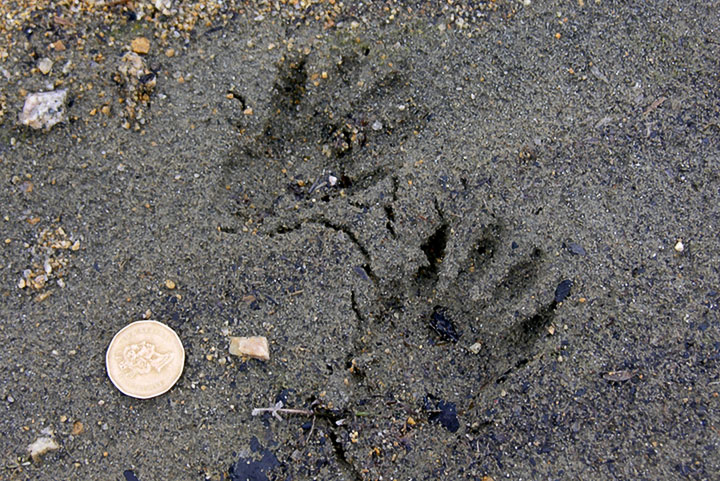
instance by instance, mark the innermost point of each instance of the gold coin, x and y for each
(145, 359)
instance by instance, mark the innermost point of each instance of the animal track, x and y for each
(323, 142)
(438, 272)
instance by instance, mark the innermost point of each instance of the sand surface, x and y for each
(481, 241)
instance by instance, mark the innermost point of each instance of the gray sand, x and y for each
(430, 193)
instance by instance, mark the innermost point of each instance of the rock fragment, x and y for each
(140, 45)
(42, 445)
(44, 109)
(45, 65)
(255, 347)
(164, 6)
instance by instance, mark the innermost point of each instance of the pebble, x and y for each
(45, 65)
(41, 446)
(377, 125)
(140, 45)
(44, 109)
(255, 347)
(679, 246)
(563, 290)
(163, 6)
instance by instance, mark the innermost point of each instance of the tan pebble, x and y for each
(248, 111)
(140, 45)
(475, 348)
(255, 347)
(58, 46)
(170, 284)
(43, 296)
(170, 52)
(78, 428)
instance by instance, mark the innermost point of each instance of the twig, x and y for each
(312, 428)
(278, 408)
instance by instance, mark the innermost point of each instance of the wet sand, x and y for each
(482, 244)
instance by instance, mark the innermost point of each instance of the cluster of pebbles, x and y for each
(50, 260)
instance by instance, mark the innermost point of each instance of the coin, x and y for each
(145, 359)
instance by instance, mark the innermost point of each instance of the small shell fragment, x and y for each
(255, 347)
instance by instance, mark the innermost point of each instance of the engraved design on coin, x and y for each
(141, 358)
(145, 359)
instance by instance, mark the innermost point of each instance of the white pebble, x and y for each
(679, 246)
(45, 65)
(41, 446)
(44, 109)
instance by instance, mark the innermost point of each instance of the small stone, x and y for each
(44, 109)
(377, 125)
(679, 246)
(255, 347)
(140, 45)
(475, 348)
(45, 65)
(563, 290)
(170, 284)
(41, 446)
(163, 6)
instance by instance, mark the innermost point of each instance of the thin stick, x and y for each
(278, 408)
(312, 428)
